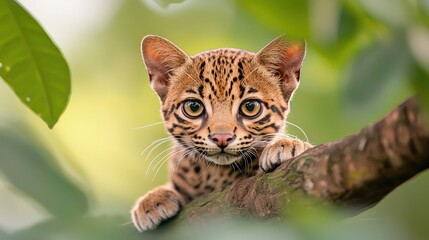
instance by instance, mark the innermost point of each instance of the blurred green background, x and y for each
(79, 180)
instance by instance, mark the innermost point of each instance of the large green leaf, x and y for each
(31, 64)
(290, 17)
(378, 75)
(166, 3)
(420, 82)
(33, 171)
(85, 228)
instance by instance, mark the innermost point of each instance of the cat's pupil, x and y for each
(194, 106)
(250, 106)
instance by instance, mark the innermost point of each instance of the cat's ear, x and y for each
(283, 60)
(161, 58)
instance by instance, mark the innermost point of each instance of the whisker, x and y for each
(238, 167)
(159, 168)
(150, 153)
(177, 161)
(154, 142)
(260, 143)
(299, 128)
(197, 73)
(251, 154)
(198, 83)
(171, 154)
(176, 164)
(207, 166)
(149, 125)
(245, 77)
(155, 147)
(282, 134)
(162, 159)
(125, 224)
(232, 166)
(246, 159)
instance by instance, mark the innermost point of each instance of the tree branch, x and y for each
(357, 171)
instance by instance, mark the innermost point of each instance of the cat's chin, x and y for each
(222, 158)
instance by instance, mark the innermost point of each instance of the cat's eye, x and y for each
(193, 108)
(250, 108)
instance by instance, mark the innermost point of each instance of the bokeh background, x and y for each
(364, 58)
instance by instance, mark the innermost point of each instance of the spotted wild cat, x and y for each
(226, 111)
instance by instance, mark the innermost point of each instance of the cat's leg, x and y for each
(280, 151)
(159, 204)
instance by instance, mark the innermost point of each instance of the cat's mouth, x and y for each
(222, 158)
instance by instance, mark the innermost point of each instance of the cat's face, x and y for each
(224, 104)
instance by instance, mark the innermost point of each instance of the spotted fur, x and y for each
(222, 144)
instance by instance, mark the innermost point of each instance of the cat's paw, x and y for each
(153, 208)
(281, 151)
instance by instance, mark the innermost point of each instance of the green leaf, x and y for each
(31, 64)
(85, 228)
(32, 171)
(420, 83)
(290, 17)
(166, 3)
(378, 75)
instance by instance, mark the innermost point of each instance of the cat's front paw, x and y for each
(156, 206)
(281, 151)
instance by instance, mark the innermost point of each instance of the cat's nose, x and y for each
(222, 139)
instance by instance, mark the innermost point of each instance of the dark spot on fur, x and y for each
(169, 111)
(276, 110)
(264, 119)
(209, 188)
(201, 91)
(240, 70)
(202, 67)
(181, 176)
(185, 169)
(190, 90)
(180, 126)
(247, 136)
(242, 89)
(293, 152)
(183, 192)
(181, 120)
(272, 125)
(252, 90)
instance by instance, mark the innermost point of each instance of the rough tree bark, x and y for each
(357, 171)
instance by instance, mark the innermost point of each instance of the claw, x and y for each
(281, 151)
(153, 208)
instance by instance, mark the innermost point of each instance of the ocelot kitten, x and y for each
(226, 111)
